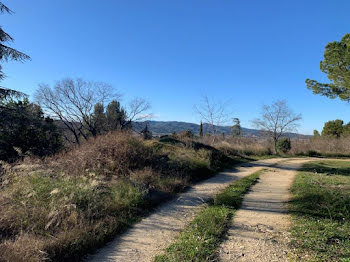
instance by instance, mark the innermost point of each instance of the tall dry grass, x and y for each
(248, 146)
(326, 146)
(244, 146)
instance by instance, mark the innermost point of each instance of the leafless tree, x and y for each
(212, 112)
(138, 109)
(276, 120)
(72, 102)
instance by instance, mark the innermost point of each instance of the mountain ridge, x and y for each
(159, 128)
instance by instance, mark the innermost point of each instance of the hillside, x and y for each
(159, 128)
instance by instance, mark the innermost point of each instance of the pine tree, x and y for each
(146, 133)
(7, 53)
(236, 128)
(201, 129)
(99, 118)
(115, 116)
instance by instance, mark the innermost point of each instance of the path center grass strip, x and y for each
(321, 212)
(200, 239)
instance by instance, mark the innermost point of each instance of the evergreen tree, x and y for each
(333, 128)
(25, 131)
(146, 133)
(201, 129)
(316, 133)
(336, 64)
(346, 130)
(7, 53)
(99, 118)
(236, 128)
(116, 117)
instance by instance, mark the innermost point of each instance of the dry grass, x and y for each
(246, 146)
(63, 206)
(323, 146)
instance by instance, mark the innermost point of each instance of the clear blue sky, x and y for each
(172, 52)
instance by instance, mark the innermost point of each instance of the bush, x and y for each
(284, 145)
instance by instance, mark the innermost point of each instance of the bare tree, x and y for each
(137, 110)
(276, 120)
(214, 113)
(72, 102)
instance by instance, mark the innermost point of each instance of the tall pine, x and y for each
(8, 53)
(201, 129)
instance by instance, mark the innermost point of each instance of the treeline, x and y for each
(75, 111)
(335, 129)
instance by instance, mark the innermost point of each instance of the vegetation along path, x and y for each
(261, 225)
(148, 238)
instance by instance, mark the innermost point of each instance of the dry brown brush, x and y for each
(61, 207)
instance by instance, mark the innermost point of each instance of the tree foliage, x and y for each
(336, 64)
(284, 145)
(25, 131)
(336, 128)
(236, 129)
(333, 128)
(8, 53)
(116, 116)
(316, 133)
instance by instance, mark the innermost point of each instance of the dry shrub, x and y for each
(147, 177)
(25, 247)
(321, 146)
(115, 153)
(240, 145)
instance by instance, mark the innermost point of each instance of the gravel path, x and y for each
(260, 228)
(150, 236)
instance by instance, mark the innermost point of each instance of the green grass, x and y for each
(200, 239)
(321, 212)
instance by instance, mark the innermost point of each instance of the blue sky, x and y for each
(172, 52)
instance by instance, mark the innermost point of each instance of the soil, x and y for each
(260, 227)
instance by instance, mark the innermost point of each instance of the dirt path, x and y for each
(260, 228)
(150, 236)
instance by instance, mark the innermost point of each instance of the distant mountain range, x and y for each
(160, 128)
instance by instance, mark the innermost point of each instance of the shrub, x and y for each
(284, 145)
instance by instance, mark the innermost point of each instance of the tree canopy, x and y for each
(25, 131)
(335, 128)
(336, 64)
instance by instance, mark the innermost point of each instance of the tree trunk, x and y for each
(275, 145)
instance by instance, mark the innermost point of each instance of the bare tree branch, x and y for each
(138, 110)
(213, 112)
(73, 101)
